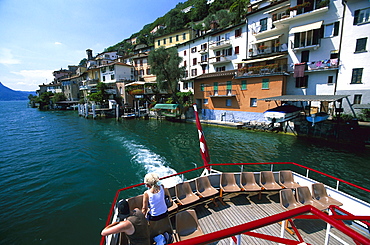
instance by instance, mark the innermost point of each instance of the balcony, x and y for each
(223, 93)
(203, 51)
(220, 44)
(299, 12)
(262, 70)
(322, 65)
(258, 50)
(219, 60)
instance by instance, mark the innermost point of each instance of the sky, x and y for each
(38, 37)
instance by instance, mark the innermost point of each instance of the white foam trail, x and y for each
(153, 163)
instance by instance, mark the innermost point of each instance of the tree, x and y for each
(58, 97)
(199, 11)
(101, 95)
(239, 8)
(164, 64)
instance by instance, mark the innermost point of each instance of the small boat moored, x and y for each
(281, 113)
(317, 117)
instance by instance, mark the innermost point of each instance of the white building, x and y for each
(354, 74)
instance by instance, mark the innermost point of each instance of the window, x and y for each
(244, 85)
(186, 73)
(159, 42)
(236, 50)
(215, 88)
(204, 58)
(356, 76)
(194, 50)
(227, 36)
(170, 39)
(185, 85)
(185, 63)
(202, 87)
(330, 79)
(112, 77)
(301, 82)
(306, 38)
(221, 68)
(205, 101)
(331, 30)
(177, 38)
(193, 72)
(228, 102)
(305, 56)
(361, 45)
(148, 71)
(357, 99)
(103, 78)
(184, 36)
(141, 62)
(263, 24)
(238, 32)
(265, 83)
(190, 84)
(104, 69)
(194, 61)
(164, 40)
(253, 102)
(361, 16)
(111, 68)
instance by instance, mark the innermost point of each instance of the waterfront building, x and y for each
(174, 38)
(116, 75)
(354, 70)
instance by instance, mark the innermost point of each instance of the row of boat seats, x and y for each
(302, 196)
(227, 183)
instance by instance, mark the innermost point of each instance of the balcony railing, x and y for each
(322, 65)
(219, 60)
(220, 44)
(220, 93)
(268, 49)
(298, 12)
(262, 70)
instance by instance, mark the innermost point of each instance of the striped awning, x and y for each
(265, 39)
(308, 27)
(262, 59)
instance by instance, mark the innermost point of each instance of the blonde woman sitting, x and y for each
(154, 206)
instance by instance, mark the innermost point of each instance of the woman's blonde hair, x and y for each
(151, 179)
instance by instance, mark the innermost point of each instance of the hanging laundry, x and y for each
(299, 69)
(334, 62)
(318, 63)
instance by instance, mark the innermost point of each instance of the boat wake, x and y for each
(152, 163)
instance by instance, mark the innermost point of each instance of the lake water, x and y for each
(59, 172)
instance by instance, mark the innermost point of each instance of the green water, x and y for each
(60, 172)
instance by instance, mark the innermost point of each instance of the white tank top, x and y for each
(157, 204)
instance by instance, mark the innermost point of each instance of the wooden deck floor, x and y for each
(242, 208)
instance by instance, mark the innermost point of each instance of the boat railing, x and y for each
(231, 230)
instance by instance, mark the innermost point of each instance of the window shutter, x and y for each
(355, 18)
(336, 28)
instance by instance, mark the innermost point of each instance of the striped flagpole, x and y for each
(202, 141)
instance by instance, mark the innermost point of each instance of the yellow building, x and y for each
(174, 38)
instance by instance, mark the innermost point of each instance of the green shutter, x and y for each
(202, 87)
(265, 83)
(244, 84)
(215, 86)
(229, 85)
(336, 28)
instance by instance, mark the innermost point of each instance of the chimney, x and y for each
(89, 54)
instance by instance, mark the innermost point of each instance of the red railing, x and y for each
(239, 229)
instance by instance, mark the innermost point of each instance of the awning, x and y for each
(308, 27)
(138, 83)
(329, 98)
(166, 106)
(266, 39)
(262, 59)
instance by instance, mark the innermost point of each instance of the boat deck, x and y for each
(242, 208)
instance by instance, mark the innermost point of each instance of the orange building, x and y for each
(232, 96)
